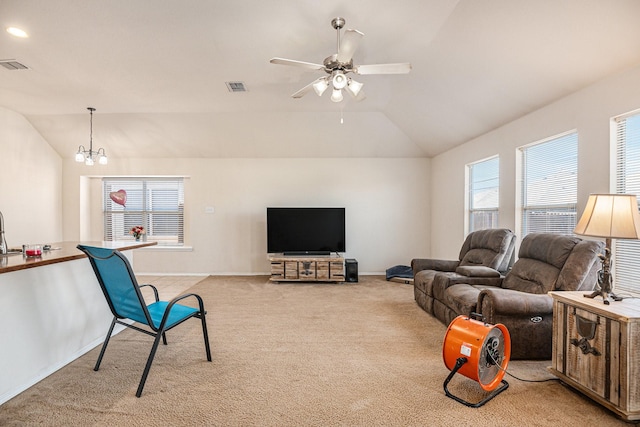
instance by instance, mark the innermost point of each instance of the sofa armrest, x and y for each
(498, 301)
(477, 271)
(457, 279)
(419, 264)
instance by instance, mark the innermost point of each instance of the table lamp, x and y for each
(612, 216)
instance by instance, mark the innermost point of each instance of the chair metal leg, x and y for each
(206, 336)
(156, 342)
(104, 345)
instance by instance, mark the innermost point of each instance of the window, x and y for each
(484, 194)
(155, 203)
(550, 185)
(626, 253)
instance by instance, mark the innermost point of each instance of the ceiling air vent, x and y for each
(236, 87)
(12, 64)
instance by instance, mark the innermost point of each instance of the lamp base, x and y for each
(605, 296)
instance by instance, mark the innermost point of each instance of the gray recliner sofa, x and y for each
(519, 299)
(490, 248)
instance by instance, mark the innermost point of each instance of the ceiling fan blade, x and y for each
(401, 68)
(302, 92)
(302, 64)
(348, 45)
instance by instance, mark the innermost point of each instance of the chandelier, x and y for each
(90, 156)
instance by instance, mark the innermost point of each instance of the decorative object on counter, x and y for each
(612, 216)
(119, 197)
(90, 156)
(137, 231)
(32, 250)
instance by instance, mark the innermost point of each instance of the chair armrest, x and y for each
(155, 291)
(477, 271)
(419, 264)
(173, 302)
(498, 301)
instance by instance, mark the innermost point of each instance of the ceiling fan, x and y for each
(338, 65)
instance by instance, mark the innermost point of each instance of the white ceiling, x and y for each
(155, 70)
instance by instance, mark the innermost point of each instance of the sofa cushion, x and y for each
(462, 298)
(552, 249)
(575, 274)
(532, 276)
(486, 247)
(423, 281)
(442, 280)
(541, 257)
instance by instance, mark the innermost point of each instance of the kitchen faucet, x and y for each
(3, 242)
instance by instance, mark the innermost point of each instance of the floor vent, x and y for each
(236, 87)
(12, 64)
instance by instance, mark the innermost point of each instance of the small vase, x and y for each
(137, 238)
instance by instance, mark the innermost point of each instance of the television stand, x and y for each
(306, 268)
(307, 253)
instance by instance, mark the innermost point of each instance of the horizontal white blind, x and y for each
(626, 254)
(484, 194)
(157, 204)
(550, 185)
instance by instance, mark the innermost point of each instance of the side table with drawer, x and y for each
(596, 349)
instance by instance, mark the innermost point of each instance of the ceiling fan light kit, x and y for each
(354, 87)
(339, 65)
(320, 86)
(336, 95)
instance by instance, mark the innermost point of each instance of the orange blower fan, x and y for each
(478, 351)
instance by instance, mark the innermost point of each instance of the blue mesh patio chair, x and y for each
(121, 289)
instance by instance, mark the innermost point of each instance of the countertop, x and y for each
(67, 251)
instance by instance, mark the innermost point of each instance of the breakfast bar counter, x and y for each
(52, 311)
(60, 252)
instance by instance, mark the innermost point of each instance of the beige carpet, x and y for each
(358, 354)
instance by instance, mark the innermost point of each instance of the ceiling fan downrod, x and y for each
(338, 24)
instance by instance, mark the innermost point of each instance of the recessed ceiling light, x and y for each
(14, 31)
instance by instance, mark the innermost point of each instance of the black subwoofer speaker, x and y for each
(351, 270)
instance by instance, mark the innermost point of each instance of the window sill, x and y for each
(168, 248)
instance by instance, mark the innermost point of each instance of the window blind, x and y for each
(484, 194)
(550, 185)
(157, 204)
(626, 253)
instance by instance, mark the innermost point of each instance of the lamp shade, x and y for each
(613, 216)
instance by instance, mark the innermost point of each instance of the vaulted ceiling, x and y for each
(155, 70)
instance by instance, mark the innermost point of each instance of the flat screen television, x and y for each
(305, 231)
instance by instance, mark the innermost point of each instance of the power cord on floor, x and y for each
(495, 362)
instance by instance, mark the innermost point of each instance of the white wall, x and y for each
(386, 200)
(30, 183)
(589, 111)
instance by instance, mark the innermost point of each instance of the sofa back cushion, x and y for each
(541, 259)
(487, 248)
(580, 269)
